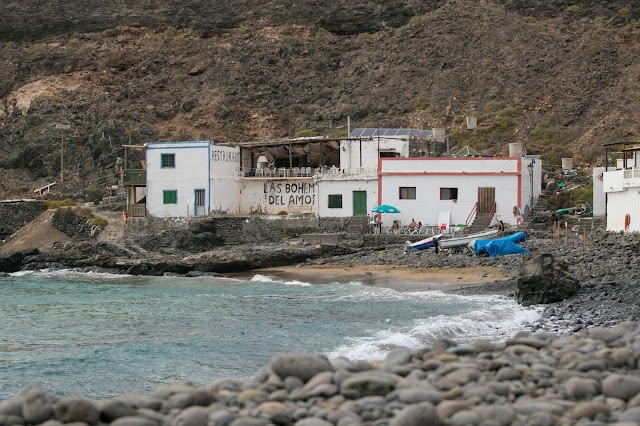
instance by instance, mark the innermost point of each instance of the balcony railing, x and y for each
(134, 177)
(304, 172)
(632, 174)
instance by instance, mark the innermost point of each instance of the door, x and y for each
(199, 210)
(486, 199)
(359, 203)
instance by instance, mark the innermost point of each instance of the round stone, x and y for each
(77, 410)
(579, 388)
(192, 416)
(301, 365)
(620, 386)
(590, 409)
(416, 415)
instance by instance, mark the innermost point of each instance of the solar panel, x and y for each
(368, 132)
(356, 132)
(425, 134)
(403, 132)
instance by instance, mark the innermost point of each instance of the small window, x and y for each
(335, 201)
(168, 161)
(448, 193)
(170, 197)
(407, 192)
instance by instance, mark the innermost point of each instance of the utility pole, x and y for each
(62, 127)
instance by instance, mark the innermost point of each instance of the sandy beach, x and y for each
(399, 278)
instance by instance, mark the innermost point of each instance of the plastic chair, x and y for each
(296, 172)
(307, 171)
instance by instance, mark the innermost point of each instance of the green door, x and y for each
(359, 203)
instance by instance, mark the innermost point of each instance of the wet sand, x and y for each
(399, 278)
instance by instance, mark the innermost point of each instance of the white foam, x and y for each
(496, 319)
(266, 279)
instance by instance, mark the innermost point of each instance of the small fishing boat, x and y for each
(463, 241)
(423, 244)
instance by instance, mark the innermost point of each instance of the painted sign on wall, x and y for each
(225, 160)
(290, 193)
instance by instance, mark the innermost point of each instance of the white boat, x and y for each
(447, 243)
(423, 244)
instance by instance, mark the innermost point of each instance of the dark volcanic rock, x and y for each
(544, 280)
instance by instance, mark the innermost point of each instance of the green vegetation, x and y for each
(98, 221)
(500, 122)
(341, 134)
(624, 10)
(551, 138)
(305, 133)
(236, 71)
(180, 77)
(422, 103)
(72, 45)
(55, 204)
(94, 195)
(572, 8)
(179, 41)
(36, 48)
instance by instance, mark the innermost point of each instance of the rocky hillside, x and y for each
(560, 76)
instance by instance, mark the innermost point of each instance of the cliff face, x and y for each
(557, 76)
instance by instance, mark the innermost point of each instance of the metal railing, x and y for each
(492, 212)
(298, 172)
(472, 215)
(631, 173)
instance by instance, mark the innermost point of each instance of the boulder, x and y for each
(544, 279)
(301, 365)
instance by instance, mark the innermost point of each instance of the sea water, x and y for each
(100, 335)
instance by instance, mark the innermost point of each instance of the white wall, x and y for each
(598, 204)
(271, 196)
(225, 195)
(191, 172)
(428, 175)
(351, 151)
(344, 187)
(620, 204)
(225, 160)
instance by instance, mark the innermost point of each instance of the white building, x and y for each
(452, 190)
(621, 186)
(352, 189)
(190, 178)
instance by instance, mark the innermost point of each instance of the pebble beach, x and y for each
(579, 364)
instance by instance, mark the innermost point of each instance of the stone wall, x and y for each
(15, 214)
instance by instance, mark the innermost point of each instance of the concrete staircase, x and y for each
(479, 223)
(357, 225)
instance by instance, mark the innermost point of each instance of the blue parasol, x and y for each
(385, 208)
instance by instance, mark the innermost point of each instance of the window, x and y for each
(168, 161)
(448, 193)
(335, 201)
(407, 192)
(170, 197)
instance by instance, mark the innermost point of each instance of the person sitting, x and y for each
(395, 227)
(419, 226)
(412, 225)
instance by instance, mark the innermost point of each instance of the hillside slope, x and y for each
(559, 76)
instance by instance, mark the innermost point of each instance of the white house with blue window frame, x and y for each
(178, 178)
(185, 178)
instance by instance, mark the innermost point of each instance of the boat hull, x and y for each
(463, 241)
(424, 244)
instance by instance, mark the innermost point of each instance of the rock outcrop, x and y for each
(543, 279)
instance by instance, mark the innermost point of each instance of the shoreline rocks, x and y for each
(589, 378)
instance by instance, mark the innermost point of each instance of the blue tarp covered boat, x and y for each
(501, 246)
